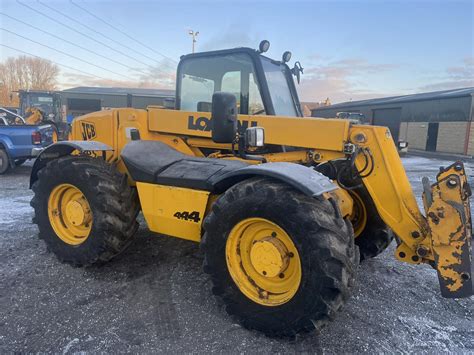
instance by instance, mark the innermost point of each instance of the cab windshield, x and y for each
(45, 103)
(200, 78)
(279, 88)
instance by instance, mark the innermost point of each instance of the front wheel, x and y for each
(282, 262)
(85, 210)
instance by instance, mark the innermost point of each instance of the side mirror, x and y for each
(224, 117)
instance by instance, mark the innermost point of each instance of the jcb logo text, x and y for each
(88, 131)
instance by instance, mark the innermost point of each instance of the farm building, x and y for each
(436, 121)
(81, 100)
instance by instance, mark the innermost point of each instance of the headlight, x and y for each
(255, 136)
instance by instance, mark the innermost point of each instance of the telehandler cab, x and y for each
(284, 206)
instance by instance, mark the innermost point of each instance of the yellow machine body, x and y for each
(34, 116)
(173, 211)
(284, 207)
(315, 141)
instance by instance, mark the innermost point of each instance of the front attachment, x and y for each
(449, 217)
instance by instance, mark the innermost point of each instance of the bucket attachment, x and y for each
(449, 219)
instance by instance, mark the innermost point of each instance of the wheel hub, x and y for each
(269, 257)
(77, 212)
(70, 214)
(263, 261)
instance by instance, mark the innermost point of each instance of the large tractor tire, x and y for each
(282, 262)
(372, 235)
(4, 161)
(85, 210)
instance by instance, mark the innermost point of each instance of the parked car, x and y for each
(18, 143)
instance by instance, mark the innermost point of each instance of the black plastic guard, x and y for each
(62, 148)
(307, 180)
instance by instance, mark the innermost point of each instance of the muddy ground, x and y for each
(155, 298)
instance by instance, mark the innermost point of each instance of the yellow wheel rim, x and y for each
(359, 214)
(263, 261)
(70, 214)
(55, 136)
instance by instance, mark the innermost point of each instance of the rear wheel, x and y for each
(85, 210)
(282, 262)
(4, 162)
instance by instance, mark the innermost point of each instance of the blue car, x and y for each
(20, 142)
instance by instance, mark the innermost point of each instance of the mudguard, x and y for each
(307, 180)
(157, 163)
(63, 148)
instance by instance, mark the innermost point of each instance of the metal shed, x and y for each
(84, 99)
(434, 121)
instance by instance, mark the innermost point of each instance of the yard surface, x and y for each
(155, 298)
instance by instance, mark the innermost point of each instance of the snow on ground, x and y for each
(155, 298)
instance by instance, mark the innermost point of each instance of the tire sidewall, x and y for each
(76, 177)
(5, 161)
(304, 235)
(376, 236)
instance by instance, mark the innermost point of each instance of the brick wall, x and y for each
(402, 136)
(451, 137)
(416, 133)
(470, 148)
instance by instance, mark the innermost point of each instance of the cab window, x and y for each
(231, 82)
(194, 90)
(234, 73)
(255, 100)
(277, 81)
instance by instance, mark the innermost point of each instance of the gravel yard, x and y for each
(155, 298)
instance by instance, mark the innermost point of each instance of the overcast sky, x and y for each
(349, 49)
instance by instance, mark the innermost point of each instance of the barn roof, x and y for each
(120, 91)
(435, 95)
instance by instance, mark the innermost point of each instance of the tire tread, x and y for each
(117, 208)
(335, 248)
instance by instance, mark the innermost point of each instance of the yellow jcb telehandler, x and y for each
(283, 206)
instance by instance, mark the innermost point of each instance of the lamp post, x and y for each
(193, 35)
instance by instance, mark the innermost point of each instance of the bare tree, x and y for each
(25, 73)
